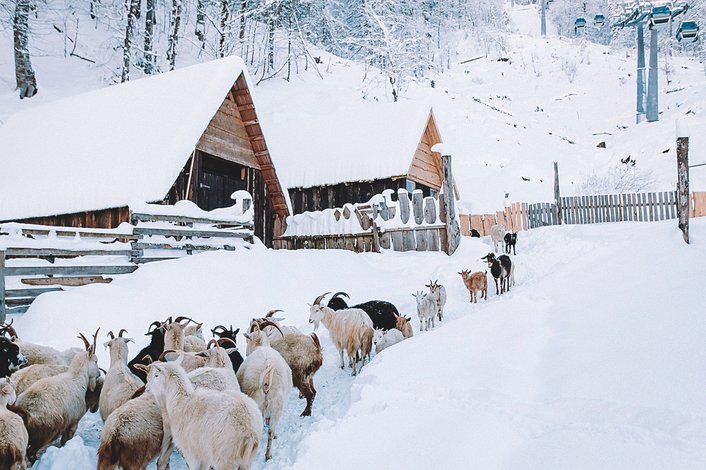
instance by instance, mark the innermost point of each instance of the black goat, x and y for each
(11, 359)
(475, 233)
(500, 268)
(152, 350)
(510, 241)
(229, 336)
(383, 314)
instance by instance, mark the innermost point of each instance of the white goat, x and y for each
(13, 435)
(351, 330)
(120, 383)
(438, 293)
(426, 310)
(212, 429)
(133, 435)
(52, 407)
(193, 338)
(384, 339)
(217, 373)
(266, 378)
(497, 234)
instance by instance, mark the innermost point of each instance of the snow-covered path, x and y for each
(593, 360)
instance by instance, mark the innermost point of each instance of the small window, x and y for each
(410, 186)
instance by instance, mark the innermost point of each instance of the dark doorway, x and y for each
(219, 179)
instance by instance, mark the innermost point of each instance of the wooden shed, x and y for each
(347, 155)
(188, 134)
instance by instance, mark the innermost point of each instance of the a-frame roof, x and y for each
(117, 145)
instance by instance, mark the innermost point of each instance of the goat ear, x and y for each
(179, 359)
(106, 344)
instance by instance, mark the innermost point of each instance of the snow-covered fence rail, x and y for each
(405, 224)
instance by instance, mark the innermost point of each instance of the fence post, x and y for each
(557, 195)
(683, 180)
(2, 286)
(453, 231)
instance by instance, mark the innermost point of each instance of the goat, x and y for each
(217, 373)
(13, 434)
(497, 232)
(37, 353)
(193, 338)
(53, 406)
(212, 429)
(438, 293)
(476, 282)
(120, 384)
(303, 355)
(11, 358)
(266, 378)
(384, 339)
(229, 335)
(133, 435)
(351, 330)
(151, 351)
(404, 324)
(475, 233)
(24, 378)
(510, 242)
(426, 310)
(501, 268)
(382, 313)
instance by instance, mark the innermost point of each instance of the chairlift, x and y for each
(688, 30)
(599, 19)
(660, 15)
(580, 23)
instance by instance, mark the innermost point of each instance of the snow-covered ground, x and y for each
(593, 360)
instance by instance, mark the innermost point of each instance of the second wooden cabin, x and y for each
(349, 154)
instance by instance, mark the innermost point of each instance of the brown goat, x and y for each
(404, 324)
(476, 282)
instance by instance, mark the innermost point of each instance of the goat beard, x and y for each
(316, 325)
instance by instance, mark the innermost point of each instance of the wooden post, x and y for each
(453, 231)
(557, 194)
(2, 286)
(683, 182)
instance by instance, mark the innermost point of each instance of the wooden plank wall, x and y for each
(514, 218)
(698, 204)
(105, 218)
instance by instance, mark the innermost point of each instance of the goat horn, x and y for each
(267, 323)
(147, 358)
(318, 299)
(85, 341)
(155, 324)
(164, 353)
(95, 339)
(103, 370)
(111, 335)
(182, 318)
(169, 319)
(272, 312)
(10, 329)
(340, 293)
(212, 342)
(120, 333)
(226, 340)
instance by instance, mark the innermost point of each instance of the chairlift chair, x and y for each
(688, 30)
(660, 15)
(599, 19)
(580, 22)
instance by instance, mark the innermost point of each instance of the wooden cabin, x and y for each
(188, 134)
(348, 155)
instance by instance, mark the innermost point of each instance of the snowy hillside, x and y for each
(592, 361)
(553, 99)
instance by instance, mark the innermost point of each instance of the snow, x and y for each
(593, 360)
(365, 141)
(186, 208)
(110, 147)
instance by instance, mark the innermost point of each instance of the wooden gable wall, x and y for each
(426, 165)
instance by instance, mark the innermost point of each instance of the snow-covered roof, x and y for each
(110, 147)
(332, 143)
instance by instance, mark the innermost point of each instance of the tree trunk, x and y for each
(150, 19)
(24, 74)
(683, 185)
(225, 13)
(271, 39)
(241, 33)
(129, 33)
(200, 21)
(173, 33)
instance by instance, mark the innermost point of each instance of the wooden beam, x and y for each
(67, 270)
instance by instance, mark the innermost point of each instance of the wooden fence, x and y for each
(416, 224)
(628, 207)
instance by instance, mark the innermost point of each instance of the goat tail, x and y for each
(247, 451)
(316, 341)
(21, 412)
(266, 377)
(108, 455)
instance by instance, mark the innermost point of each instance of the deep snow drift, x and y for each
(593, 360)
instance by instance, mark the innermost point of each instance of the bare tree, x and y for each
(129, 33)
(24, 74)
(149, 55)
(174, 22)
